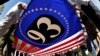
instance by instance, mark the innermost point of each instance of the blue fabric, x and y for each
(59, 12)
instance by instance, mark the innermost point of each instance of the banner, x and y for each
(48, 27)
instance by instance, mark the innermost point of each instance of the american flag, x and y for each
(73, 41)
(48, 27)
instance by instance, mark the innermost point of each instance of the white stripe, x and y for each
(19, 43)
(63, 49)
(69, 47)
(4, 49)
(73, 36)
(65, 45)
(12, 54)
(23, 54)
(19, 53)
(15, 52)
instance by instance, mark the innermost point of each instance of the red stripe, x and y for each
(37, 50)
(34, 50)
(73, 44)
(65, 42)
(22, 45)
(67, 46)
(56, 51)
(15, 42)
(28, 49)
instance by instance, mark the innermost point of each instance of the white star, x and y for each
(50, 9)
(67, 23)
(41, 8)
(32, 10)
(62, 15)
(45, 8)
(59, 13)
(55, 11)
(25, 13)
(28, 11)
(36, 9)
(21, 20)
(64, 18)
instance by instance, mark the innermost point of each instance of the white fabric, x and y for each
(81, 2)
(15, 52)
(85, 2)
(4, 50)
(95, 5)
(78, 3)
(72, 2)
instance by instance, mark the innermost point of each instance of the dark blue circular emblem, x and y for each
(44, 27)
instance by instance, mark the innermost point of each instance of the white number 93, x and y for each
(39, 35)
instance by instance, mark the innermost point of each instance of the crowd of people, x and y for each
(7, 28)
(88, 17)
